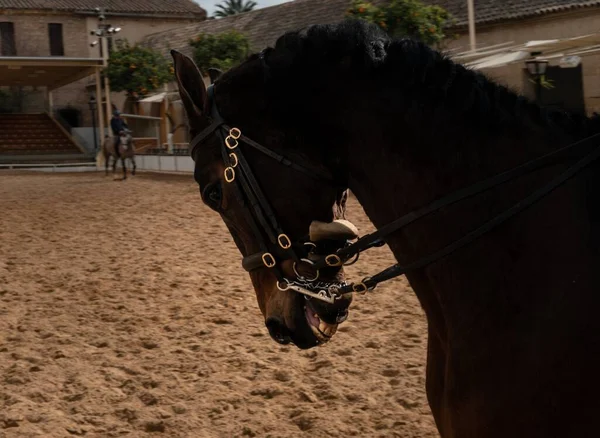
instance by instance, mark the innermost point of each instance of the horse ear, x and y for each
(214, 74)
(191, 85)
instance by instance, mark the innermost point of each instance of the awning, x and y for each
(154, 98)
(52, 72)
(158, 97)
(566, 44)
(500, 60)
(495, 56)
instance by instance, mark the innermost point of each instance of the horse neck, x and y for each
(406, 155)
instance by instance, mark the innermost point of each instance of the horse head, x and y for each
(283, 205)
(126, 138)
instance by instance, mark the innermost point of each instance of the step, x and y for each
(54, 158)
(36, 152)
(27, 149)
(33, 141)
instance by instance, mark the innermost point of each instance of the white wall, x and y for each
(164, 163)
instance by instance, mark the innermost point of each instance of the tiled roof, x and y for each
(163, 7)
(261, 26)
(489, 11)
(264, 26)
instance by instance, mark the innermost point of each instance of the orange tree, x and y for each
(137, 70)
(221, 51)
(406, 18)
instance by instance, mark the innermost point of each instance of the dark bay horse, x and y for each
(126, 151)
(513, 325)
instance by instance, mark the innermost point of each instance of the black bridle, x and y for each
(278, 245)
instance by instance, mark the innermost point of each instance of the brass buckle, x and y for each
(235, 133)
(233, 157)
(229, 174)
(284, 241)
(231, 146)
(333, 260)
(268, 260)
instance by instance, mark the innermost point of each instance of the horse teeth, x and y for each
(327, 329)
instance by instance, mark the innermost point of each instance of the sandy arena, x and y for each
(124, 312)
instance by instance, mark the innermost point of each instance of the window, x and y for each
(55, 32)
(7, 39)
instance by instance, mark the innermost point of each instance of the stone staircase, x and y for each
(36, 138)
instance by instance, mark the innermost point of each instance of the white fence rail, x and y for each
(155, 163)
(53, 167)
(165, 163)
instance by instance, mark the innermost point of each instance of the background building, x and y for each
(47, 63)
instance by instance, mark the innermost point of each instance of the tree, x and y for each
(137, 70)
(221, 51)
(406, 18)
(232, 7)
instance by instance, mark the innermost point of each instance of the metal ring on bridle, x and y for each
(352, 261)
(333, 260)
(235, 133)
(233, 160)
(229, 174)
(231, 146)
(360, 287)
(284, 241)
(301, 277)
(268, 260)
(314, 245)
(287, 285)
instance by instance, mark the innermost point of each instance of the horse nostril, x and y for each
(278, 331)
(342, 316)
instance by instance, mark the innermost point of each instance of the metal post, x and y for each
(94, 129)
(99, 107)
(471, 7)
(538, 89)
(104, 43)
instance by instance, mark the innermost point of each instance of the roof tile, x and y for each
(489, 11)
(167, 7)
(264, 26)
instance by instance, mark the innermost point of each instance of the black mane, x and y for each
(418, 69)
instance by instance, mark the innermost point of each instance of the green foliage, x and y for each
(548, 84)
(406, 18)
(137, 70)
(221, 51)
(232, 7)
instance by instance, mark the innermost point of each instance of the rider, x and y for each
(117, 125)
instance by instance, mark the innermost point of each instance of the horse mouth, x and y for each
(306, 321)
(323, 325)
(322, 330)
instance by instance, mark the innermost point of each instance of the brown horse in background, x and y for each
(126, 150)
(514, 315)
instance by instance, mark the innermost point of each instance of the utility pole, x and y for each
(104, 43)
(471, 7)
(104, 32)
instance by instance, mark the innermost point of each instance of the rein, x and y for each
(280, 246)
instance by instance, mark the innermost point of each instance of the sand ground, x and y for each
(124, 311)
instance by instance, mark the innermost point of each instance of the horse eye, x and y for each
(212, 196)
